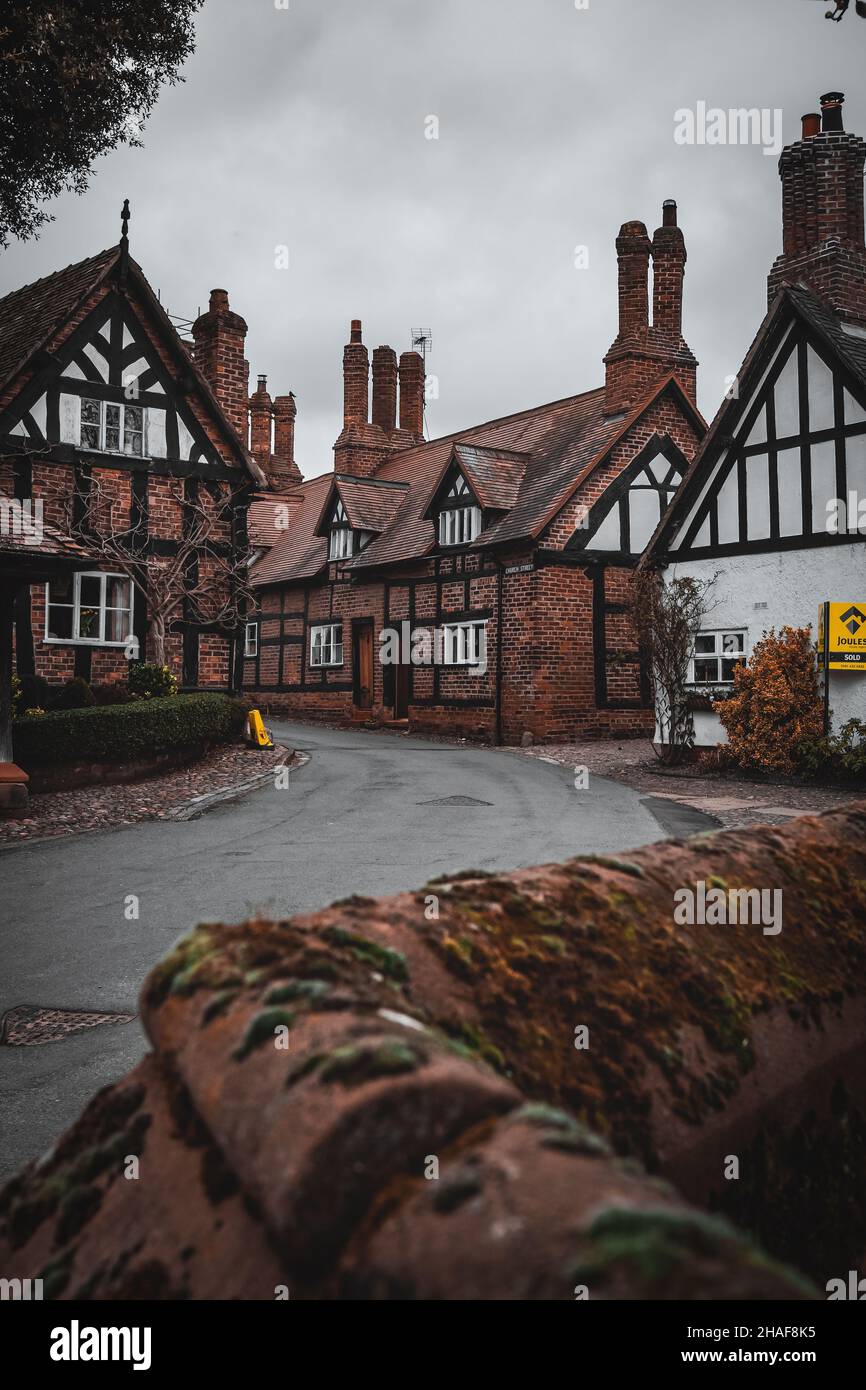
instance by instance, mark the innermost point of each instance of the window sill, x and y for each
(84, 642)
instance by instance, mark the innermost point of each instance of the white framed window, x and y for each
(111, 428)
(459, 525)
(716, 656)
(95, 608)
(464, 644)
(326, 644)
(460, 519)
(341, 543)
(251, 639)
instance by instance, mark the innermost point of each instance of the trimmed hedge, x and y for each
(112, 733)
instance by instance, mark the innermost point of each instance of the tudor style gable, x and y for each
(783, 461)
(106, 391)
(620, 525)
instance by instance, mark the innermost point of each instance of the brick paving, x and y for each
(154, 798)
(735, 800)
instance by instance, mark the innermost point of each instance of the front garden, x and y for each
(75, 734)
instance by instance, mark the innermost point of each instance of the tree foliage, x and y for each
(77, 79)
(776, 705)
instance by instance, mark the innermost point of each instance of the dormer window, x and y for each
(342, 542)
(460, 518)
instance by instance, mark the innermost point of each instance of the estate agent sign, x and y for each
(842, 636)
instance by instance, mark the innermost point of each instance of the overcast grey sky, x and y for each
(306, 127)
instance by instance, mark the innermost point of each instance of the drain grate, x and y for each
(454, 801)
(28, 1026)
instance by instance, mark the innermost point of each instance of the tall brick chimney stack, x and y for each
(219, 337)
(364, 444)
(412, 394)
(284, 472)
(642, 354)
(356, 378)
(261, 411)
(822, 213)
(385, 389)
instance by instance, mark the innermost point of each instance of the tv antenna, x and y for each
(422, 341)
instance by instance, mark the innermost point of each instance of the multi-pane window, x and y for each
(113, 429)
(89, 608)
(251, 640)
(464, 644)
(342, 540)
(460, 519)
(716, 656)
(326, 644)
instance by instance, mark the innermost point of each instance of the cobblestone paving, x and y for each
(155, 798)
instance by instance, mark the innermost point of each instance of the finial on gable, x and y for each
(125, 215)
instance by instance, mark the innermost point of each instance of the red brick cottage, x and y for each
(110, 422)
(479, 583)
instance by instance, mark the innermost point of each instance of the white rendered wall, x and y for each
(759, 592)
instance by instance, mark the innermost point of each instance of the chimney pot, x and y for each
(669, 213)
(219, 299)
(356, 378)
(831, 112)
(811, 125)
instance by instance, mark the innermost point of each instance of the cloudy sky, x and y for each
(307, 127)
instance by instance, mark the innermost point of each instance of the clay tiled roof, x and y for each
(270, 515)
(300, 553)
(370, 503)
(29, 316)
(526, 464)
(495, 475)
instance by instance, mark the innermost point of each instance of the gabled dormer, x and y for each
(355, 511)
(477, 487)
(342, 540)
(458, 514)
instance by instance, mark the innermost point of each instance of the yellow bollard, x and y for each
(258, 733)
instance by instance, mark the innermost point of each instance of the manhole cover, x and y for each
(455, 801)
(27, 1025)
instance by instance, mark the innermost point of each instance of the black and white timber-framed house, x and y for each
(111, 424)
(774, 503)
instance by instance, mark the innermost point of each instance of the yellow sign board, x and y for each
(258, 733)
(842, 636)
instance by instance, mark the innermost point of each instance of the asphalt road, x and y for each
(369, 813)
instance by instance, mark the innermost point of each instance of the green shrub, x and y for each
(112, 693)
(75, 694)
(841, 755)
(150, 682)
(115, 733)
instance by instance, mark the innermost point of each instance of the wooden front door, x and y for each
(362, 663)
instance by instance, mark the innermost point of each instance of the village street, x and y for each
(369, 813)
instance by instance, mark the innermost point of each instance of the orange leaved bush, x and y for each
(776, 702)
